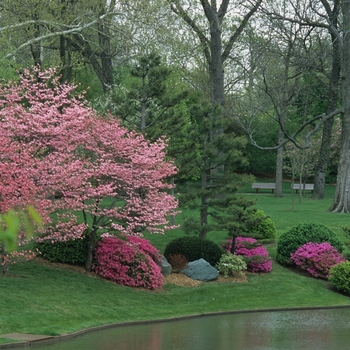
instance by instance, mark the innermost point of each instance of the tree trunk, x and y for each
(91, 246)
(320, 173)
(65, 56)
(204, 207)
(286, 94)
(36, 48)
(216, 71)
(101, 61)
(341, 202)
(233, 245)
(301, 186)
(4, 265)
(105, 55)
(279, 166)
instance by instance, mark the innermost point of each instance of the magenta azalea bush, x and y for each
(255, 255)
(131, 261)
(317, 258)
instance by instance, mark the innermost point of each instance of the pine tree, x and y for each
(219, 158)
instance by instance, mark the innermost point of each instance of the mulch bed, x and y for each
(180, 279)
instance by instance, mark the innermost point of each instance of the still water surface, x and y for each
(327, 329)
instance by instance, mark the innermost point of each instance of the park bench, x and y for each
(264, 186)
(306, 187)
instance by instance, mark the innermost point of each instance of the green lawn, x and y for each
(41, 299)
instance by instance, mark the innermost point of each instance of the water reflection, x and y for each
(327, 329)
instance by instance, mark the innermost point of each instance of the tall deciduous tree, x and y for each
(216, 36)
(341, 202)
(333, 98)
(85, 174)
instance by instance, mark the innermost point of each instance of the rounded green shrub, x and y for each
(340, 277)
(69, 252)
(301, 234)
(266, 229)
(194, 248)
(229, 264)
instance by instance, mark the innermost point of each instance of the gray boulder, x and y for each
(166, 268)
(200, 270)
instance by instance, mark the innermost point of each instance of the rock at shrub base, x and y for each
(200, 270)
(166, 268)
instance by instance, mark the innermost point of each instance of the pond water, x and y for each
(325, 329)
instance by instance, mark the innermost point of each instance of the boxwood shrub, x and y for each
(265, 230)
(194, 248)
(69, 252)
(340, 277)
(303, 233)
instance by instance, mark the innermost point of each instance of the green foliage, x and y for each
(69, 252)
(229, 264)
(346, 230)
(265, 229)
(236, 216)
(11, 223)
(301, 234)
(340, 277)
(194, 248)
(261, 162)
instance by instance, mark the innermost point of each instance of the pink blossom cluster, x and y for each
(129, 261)
(317, 258)
(249, 247)
(256, 256)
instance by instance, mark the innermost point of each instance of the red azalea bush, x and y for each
(129, 262)
(317, 258)
(255, 255)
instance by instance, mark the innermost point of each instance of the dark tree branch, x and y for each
(178, 10)
(292, 138)
(239, 30)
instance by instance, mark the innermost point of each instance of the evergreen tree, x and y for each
(236, 216)
(220, 157)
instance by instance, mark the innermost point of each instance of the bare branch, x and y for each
(239, 30)
(178, 10)
(71, 30)
(321, 119)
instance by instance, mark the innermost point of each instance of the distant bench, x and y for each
(307, 187)
(264, 186)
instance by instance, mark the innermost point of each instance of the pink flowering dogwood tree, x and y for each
(85, 174)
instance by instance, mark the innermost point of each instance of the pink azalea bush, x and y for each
(131, 261)
(317, 258)
(255, 255)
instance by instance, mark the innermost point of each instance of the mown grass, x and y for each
(41, 299)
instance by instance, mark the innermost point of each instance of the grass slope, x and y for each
(42, 299)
